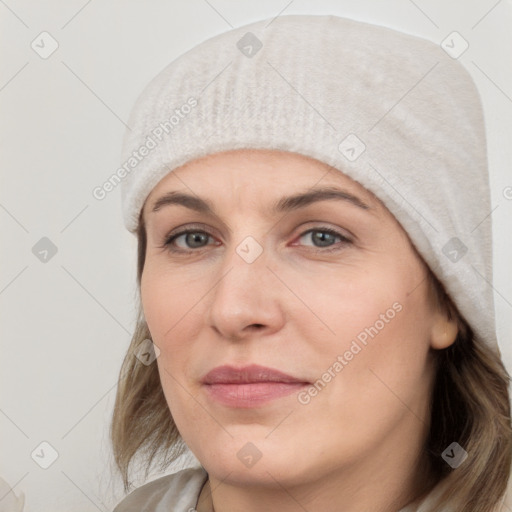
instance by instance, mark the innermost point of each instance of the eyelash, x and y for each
(169, 239)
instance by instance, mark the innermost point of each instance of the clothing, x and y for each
(394, 112)
(180, 491)
(176, 492)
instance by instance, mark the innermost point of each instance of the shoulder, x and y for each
(179, 490)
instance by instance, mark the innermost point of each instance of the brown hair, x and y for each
(470, 405)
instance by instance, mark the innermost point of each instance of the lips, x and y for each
(247, 374)
(250, 386)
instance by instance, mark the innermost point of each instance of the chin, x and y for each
(254, 460)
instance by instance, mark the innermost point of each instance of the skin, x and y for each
(357, 445)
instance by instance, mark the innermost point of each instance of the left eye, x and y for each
(196, 239)
(324, 237)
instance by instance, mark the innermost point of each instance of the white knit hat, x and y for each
(392, 111)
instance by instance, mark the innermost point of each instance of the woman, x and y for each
(311, 199)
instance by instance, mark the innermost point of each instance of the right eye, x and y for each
(191, 240)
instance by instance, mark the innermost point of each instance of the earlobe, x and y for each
(444, 333)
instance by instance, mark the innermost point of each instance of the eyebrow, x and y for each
(284, 204)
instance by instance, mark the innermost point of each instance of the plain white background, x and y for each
(67, 323)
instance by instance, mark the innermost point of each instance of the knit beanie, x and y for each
(396, 113)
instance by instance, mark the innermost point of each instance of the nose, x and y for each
(247, 299)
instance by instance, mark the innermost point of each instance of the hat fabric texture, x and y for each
(392, 111)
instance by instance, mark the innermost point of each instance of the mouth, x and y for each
(250, 386)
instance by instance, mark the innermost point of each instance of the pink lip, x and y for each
(250, 386)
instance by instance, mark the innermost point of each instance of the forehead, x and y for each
(258, 175)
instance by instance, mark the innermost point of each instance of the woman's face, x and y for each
(324, 289)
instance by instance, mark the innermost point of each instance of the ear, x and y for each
(444, 331)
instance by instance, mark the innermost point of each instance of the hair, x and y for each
(469, 404)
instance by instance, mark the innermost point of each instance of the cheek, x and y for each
(383, 340)
(167, 301)
(363, 303)
(171, 311)
(377, 314)
(173, 317)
